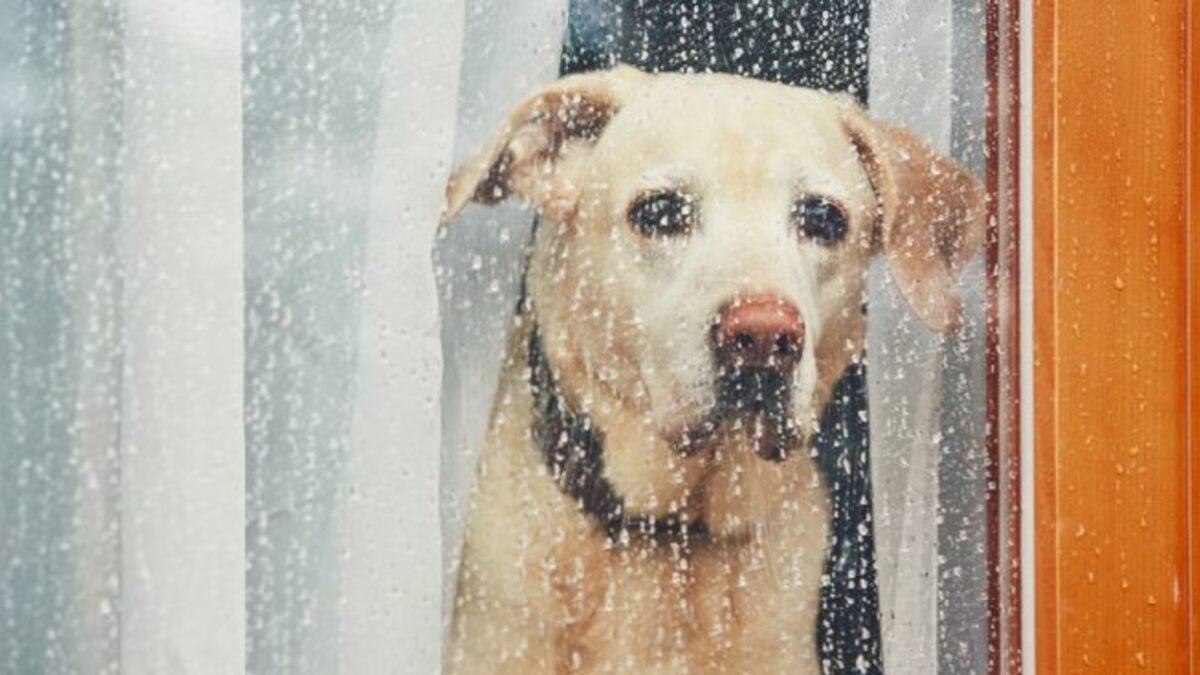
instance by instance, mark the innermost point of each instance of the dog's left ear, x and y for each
(932, 214)
(541, 130)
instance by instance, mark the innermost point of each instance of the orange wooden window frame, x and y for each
(1115, 325)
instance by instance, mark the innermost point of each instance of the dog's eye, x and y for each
(663, 214)
(819, 219)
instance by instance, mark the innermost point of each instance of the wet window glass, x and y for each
(524, 336)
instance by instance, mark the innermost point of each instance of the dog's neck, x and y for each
(573, 449)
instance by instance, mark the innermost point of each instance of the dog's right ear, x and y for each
(932, 214)
(539, 132)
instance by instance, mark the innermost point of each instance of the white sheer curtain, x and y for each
(910, 69)
(926, 392)
(121, 306)
(390, 531)
(182, 596)
(182, 580)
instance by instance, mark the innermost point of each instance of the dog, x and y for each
(647, 500)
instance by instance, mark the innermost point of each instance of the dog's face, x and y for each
(698, 273)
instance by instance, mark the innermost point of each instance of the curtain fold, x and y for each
(39, 351)
(180, 248)
(390, 534)
(311, 76)
(97, 132)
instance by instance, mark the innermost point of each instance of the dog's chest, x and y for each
(722, 609)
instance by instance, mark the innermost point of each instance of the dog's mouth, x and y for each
(754, 402)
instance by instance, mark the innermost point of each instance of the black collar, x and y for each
(573, 450)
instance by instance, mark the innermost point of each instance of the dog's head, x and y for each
(698, 273)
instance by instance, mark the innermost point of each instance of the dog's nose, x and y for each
(761, 331)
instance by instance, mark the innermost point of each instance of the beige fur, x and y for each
(625, 324)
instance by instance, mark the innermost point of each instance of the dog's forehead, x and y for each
(716, 128)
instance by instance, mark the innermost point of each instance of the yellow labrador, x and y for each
(647, 500)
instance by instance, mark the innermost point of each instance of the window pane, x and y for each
(894, 428)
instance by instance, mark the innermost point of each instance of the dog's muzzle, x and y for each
(752, 391)
(757, 342)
